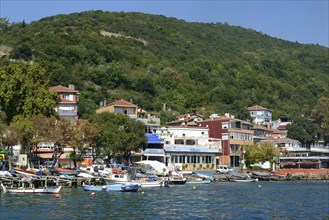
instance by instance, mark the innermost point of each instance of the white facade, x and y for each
(189, 145)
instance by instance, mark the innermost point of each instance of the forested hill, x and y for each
(152, 60)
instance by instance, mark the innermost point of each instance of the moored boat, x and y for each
(133, 187)
(199, 181)
(118, 178)
(44, 190)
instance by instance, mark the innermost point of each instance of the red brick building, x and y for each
(235, 135)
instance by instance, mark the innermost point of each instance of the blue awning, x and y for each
(153, 139)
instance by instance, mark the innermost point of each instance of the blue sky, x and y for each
(304, 21)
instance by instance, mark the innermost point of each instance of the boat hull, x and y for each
(199, 182)
(114, 187)
(22, 190)
(150, 184)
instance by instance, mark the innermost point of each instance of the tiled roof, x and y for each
(257, 107)
(60, 88)
(122, 103)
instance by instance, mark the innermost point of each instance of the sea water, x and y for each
(224, 200)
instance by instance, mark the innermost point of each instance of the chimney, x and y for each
(71, 86)
(164, 107)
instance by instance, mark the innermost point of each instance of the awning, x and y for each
(153, 139)
(192, 149)
(154, 152)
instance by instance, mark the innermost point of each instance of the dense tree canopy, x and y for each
(261, 152)
(208, 68)
(320, 115)
(118, 135)
(24, 91)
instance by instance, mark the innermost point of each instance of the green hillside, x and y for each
(152, 60)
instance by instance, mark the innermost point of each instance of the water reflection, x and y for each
(287, 200)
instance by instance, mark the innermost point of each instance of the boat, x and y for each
(199, 181)
(175, 181)
(241, 177)
(31, 189)
(243, 180)
(132, 187)
(202, 175)
(118, 178)
(150, 181)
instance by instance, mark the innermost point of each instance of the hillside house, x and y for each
(260, 115)
(68, 105)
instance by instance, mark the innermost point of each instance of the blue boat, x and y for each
(114, 187)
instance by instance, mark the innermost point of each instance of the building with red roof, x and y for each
(68, 105)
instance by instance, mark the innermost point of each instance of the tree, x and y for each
(118, 135)
(24, 91)
(4, 23)
(84, 135)
(320, 115)
(302, 129)
(261, 152)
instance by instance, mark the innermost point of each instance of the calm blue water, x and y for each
(262, 200)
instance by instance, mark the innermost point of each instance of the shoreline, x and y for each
(294, 174)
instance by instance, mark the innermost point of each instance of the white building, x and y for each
(189, 145)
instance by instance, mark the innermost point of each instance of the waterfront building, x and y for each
(68, 104)
(285, 145)
(190, 146)
(235, 135)
(154, 149)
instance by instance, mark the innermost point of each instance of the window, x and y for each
(179, 141)
(224, 125)
(190, 142)
(225, 136)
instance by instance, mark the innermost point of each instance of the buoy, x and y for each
(93, 194)
(57, 196)
(193, 187)
(259, 186)
(142, 192)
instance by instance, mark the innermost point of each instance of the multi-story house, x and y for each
(260, 115)
(68, 105)
(235, 135)
(190, 146)
(122, 107)
(132, 111)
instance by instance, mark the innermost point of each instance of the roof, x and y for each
(224, 118)
(60, 88)
(180, 121)
(153, 139)
(122, 103)
(257, 108)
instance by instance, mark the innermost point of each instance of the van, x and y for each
(222, 169)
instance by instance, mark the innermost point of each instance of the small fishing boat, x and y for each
(243, 180)
(114, 187)
(203, 175)
(118, 178)
(241, 177)
(150, 182)
(44, 190)
(199, 181)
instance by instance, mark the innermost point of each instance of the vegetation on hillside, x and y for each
(152, 60)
